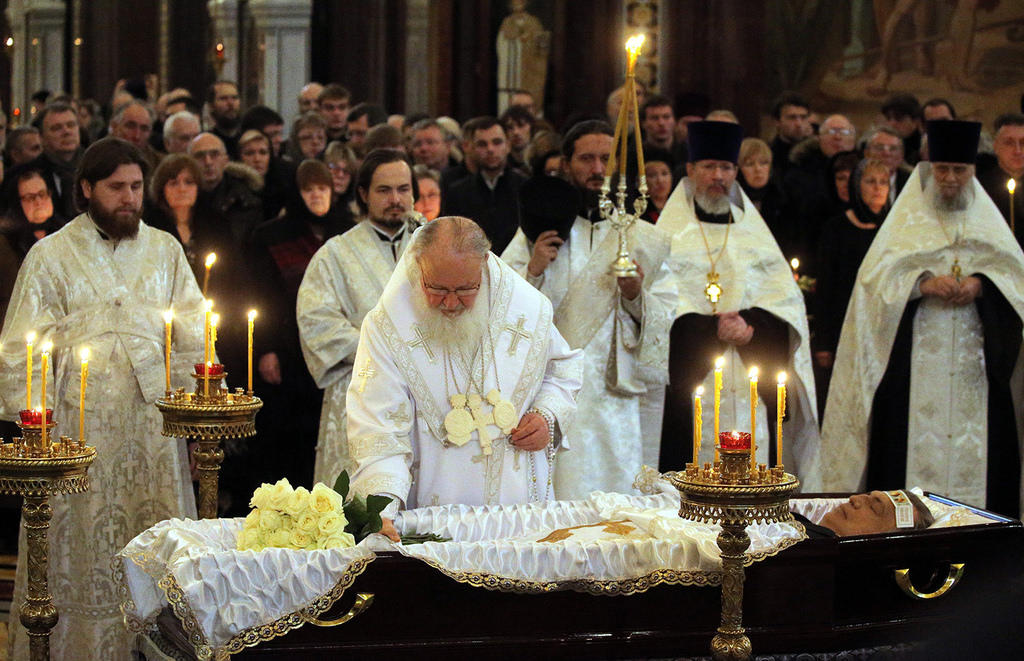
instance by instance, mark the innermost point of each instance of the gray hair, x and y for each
(176, 117)
(455, 234)
(119, 113)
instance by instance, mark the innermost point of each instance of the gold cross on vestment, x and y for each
(421, 341)
(518, 333)
(365, 373)
(399, 415)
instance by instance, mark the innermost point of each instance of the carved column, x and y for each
(37, 62)
(283, 37)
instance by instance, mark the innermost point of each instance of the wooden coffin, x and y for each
(822, 595)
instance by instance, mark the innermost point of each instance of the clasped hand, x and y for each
(947, 288)
(734, 329)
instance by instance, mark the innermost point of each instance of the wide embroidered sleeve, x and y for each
(324, 311)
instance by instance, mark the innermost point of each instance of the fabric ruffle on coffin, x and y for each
(227, 599)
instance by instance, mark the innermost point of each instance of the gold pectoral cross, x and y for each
(713, 292)
(956, 270)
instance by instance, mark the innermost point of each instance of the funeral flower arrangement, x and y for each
(299, 518)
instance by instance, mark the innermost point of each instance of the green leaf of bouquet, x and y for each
(376, 504)
(355, 512)
(341, 485)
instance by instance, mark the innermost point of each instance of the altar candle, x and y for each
(168, 319)
(43, 366)
(795, 264)
(206, 379)
(697, 424)
(81, 394)
(719, 363)
(206, 332)
(633, 46)
(780, 414)
(252, 319)
(753, 417)
(210, 259)
(1011, 185)
(28, 381)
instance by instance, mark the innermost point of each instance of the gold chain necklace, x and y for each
(713, 290)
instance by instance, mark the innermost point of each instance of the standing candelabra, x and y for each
(36, 468)
(209, 415)
(734, 494)
(615, 213)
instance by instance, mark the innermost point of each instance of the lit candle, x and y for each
(719, 363)
(210, 259)
(43, 367)
(753, 418)
(252, 319)
(1011, 185)
(168, 319)
(81, 395)
(633, 46)
(206, 379)
(697, 424)
(214, 322)
(206, 332)
(795, 263)
(28, 381)
(781, 413)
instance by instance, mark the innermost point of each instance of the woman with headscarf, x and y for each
(845, 239)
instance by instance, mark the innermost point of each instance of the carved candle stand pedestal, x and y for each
(733, 495)
(209, 420)
(36, 471)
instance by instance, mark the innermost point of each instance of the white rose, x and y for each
(343, 540)
(270, 520)
(300, 539)
(261, 497)
(280, 494)
(298, 503)
(331, 523)
(248, 539)
(323, 499)
(252, 520)
(307, 522)
(279, 539)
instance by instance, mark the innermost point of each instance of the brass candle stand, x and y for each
(209, 419)
(734, 495)
(36, 470)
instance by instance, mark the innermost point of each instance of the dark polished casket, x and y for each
(949, 593)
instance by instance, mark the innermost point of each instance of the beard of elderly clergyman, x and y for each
(949, 187)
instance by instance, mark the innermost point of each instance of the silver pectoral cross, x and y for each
(518, 333)
(421, 342)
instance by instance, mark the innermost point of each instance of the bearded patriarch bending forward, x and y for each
(463, 386)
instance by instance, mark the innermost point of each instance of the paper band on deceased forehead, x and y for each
(904, 508)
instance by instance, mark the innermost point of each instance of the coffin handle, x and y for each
(956, 572)
(363, 601)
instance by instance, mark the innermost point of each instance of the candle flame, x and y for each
(168, 316)
(214, 320)
(210, 259)
(782, 378)
(1011, 185)
(753, 374)
(31, 337)
(719, 362)
(85, 354)
(795, 263)
(209, 304)
(700, 391)
(47, 346)
(252, 314)
(634, 44)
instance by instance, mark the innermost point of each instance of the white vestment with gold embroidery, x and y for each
(343, 282)
(626, 365)
(396, 412)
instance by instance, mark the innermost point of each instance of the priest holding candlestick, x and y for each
(103, 281)
(737, 301)
(619, 322)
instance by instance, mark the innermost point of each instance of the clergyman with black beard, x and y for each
(102, 282)
(343, 282)
(931, 342)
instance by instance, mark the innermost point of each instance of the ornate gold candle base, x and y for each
(36, 471)
(209, 421)
(730, 494)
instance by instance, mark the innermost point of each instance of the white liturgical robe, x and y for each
(78, 290)
(626, 358)
(947, 437)
(403, 390)
(752, 274)
(343, 282)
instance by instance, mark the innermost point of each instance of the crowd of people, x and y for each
(453, 361)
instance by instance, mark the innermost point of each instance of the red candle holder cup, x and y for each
(29, 417)
(216, 369)
(734, 440)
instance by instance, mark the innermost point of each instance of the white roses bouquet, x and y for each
(297, 518)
